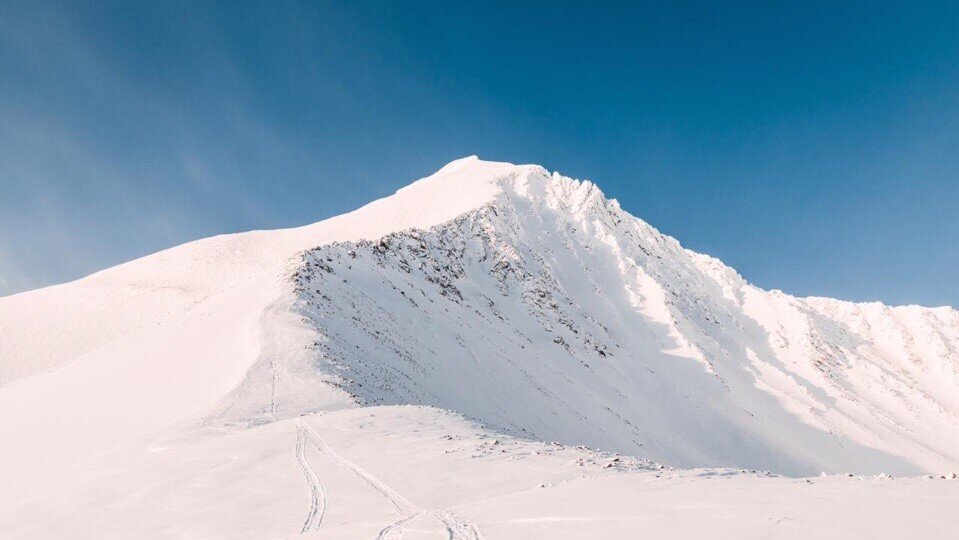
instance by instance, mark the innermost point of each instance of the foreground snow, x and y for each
(414, 472)
(312, 381)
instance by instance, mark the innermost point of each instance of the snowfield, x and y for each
(492, 352)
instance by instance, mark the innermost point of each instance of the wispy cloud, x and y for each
(98, 166)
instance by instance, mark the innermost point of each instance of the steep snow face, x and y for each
(552, 313)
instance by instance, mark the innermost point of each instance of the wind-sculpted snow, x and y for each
(552, 313)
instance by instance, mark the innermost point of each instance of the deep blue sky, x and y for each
(812, 146)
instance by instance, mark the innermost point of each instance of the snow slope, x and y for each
(160, 397)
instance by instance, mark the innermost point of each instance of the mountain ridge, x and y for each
(495, 351)
(586, 206)
(816, 372)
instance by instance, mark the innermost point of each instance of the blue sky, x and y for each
(812, 146)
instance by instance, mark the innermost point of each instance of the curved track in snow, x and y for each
(456, 527)
(396, 530)
(317, 492)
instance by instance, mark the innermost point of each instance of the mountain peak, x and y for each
(475, 170)
(472, 168)
(458, 187)
(458, 164)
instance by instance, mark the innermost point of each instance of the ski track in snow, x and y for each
(457, 528)
(395, 531)
(317, 492)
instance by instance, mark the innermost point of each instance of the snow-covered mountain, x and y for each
(522, 309)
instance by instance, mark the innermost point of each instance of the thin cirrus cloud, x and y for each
(99, 167)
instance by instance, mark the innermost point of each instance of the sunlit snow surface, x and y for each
(440, 363)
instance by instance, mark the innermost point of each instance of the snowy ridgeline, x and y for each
(551, 313)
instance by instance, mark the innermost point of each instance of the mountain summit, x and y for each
(498, 299)
(549, 312)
